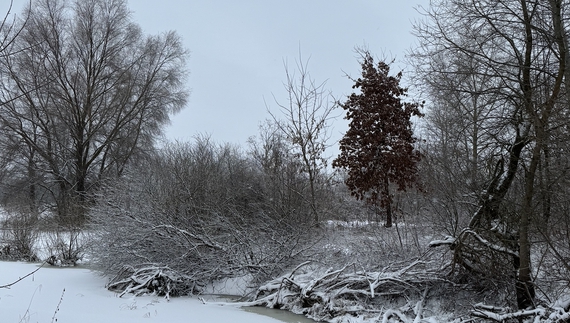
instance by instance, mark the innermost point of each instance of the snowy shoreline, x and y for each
(79, 295)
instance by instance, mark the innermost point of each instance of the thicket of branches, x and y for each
(208, 212)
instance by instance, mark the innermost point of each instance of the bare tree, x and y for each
(87, 92)
(307, 114)
(285, 185)
(464, 130)
(518, 52)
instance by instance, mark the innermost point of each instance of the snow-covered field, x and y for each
(78, 295)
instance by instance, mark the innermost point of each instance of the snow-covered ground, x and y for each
(78, 295)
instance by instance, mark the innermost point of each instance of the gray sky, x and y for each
(238, 48)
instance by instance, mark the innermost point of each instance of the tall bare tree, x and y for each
(464, 130)
(307, 114)
(87, 92)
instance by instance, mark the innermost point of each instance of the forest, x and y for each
(447, 200)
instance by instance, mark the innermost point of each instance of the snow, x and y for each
(38, 298)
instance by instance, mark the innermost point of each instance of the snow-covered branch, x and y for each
(550, 314)
(346, 292)
(158, 280)
(23, 277)
(449, 240)
(489, 244)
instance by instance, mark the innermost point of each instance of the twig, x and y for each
(27, 314)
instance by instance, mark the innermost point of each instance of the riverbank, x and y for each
(79, 295)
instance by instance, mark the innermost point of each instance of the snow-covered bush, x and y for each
(206, 213)
(65, 247)
(19, 236)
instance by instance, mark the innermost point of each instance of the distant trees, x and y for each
(85, 92)
(378, 148)
(285, 184)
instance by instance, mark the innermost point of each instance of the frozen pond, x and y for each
(79, 295)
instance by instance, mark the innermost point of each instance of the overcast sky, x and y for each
(238, 49)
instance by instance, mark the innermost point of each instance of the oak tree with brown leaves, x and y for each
(378, 148)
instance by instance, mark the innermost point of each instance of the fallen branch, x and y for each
(452, 241)
(550, 314)
(506, 316)
(24, 277)
(339, 293)
(158, 280)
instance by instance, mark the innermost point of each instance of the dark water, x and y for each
(280, 315)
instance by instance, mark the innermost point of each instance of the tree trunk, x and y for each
(524, 285)
(388, 202)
